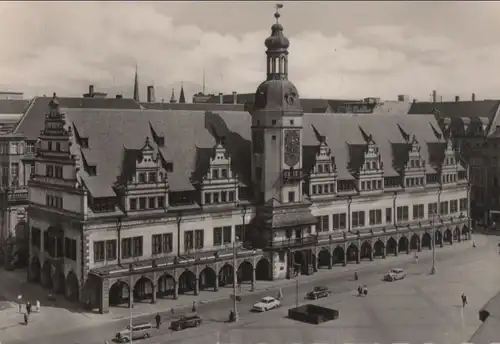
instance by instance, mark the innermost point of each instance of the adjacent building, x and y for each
(158, 203)
(474, 127)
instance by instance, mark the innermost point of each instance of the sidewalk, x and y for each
(52, 316)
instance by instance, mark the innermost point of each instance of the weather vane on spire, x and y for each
(277, 13)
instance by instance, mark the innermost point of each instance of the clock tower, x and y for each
(277, 127)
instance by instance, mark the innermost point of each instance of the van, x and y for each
(139, 331)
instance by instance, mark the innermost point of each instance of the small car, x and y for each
(187, 321)
(318, 292)
(139, 331)
(395, 274)
(265, 304)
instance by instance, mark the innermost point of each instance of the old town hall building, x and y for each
(157, 201)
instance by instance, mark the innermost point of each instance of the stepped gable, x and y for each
(189, 136)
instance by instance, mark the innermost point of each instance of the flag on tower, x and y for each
(278, 6)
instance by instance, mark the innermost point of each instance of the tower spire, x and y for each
(277, 50)
(172, 98)
(136, 85)
(182, 98)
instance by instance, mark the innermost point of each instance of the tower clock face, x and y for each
(292, 147)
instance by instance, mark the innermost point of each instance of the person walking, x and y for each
(28, 308)
(26, 319)
(158, 320)
(193, 309)
(37, 306)
(464, 300)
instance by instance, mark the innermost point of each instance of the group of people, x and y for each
(362, 290)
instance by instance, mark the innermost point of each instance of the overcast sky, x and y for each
(338, 50)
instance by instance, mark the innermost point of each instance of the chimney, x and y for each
(473, 97)
(414, 100)
(221, 98)
(235, 98)
(119, 96)
(151, 94)
(434, 96)
(91, 90)
(457, 99)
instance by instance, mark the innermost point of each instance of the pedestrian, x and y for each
(20, 308)
(464, 300)
(172, 310)
(25, 318)
(193, 309)
(28, 307)
(473, 243)
(37, 306)
(365, 290)
(360, 290)
(158, 320)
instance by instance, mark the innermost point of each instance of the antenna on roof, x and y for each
(203, 81)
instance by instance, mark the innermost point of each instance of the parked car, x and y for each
(395, 274)
(318, 292)
(266, 304)
(187, 321)
(139, 331)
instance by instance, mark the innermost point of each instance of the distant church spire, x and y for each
(136, 85)
(182, 98)
(172, 98)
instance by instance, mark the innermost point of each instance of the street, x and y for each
(421, 308)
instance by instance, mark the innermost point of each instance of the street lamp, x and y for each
(433, 268)
(235, 306)
(131, 301)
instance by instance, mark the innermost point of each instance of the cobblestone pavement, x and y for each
(103, 327)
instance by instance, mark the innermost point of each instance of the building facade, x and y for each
(147, 204)
(474, 127)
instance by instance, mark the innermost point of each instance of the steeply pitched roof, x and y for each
(13, 106)
(489, 331)
(190, 134)
(471, 109)
(33, 120)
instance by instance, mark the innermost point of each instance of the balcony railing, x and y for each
(292, 175)
(294, 242)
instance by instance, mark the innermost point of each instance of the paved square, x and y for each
(419, 309)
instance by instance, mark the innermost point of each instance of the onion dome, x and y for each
(277, 41)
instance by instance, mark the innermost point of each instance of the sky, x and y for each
(346, 50)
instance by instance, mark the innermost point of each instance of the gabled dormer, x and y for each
(219, 185)
(450, 164)
(322, 177)
(371, 173)
(55, 162)
(414, 168)
(143, 184)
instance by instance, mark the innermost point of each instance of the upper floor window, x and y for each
(358, 219)
(402, 213)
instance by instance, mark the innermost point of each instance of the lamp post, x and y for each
(131, 301)
(297, 292)
(433, 268)
(235, 306)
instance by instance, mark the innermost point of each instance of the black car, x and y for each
(184, 322)
(318, 292)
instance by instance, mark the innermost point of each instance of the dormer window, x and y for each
(327, 168)
(374, 165)
(215, 173)
(160, 142)
(224, 174)
(320, 168)
(92, 170)
(84, 142)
